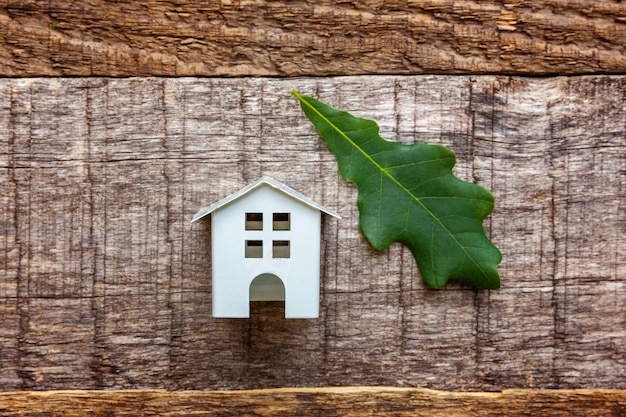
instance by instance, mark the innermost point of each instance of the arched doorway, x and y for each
(267, 287)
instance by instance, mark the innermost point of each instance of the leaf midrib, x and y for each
(384, 171)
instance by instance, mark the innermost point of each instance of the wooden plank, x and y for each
(105, 283)
(259, 38)
(353, 401)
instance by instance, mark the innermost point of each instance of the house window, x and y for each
(254, 249)
(254, 221)
(281, 221)
(280, 249)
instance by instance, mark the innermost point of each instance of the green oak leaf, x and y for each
(408, 193)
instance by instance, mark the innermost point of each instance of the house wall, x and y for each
(233, 272)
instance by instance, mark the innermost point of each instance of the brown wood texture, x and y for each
(105, 283)
(353, 401)
(312, 37)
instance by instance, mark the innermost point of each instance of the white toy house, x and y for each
(265, 242)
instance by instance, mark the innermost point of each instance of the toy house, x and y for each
(265, 243)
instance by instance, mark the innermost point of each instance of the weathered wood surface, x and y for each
(311, 37)
(105, 283)
(353, 401)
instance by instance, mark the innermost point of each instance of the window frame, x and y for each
(281, 249)
(252, 248)
(253, 224)
(281, 225)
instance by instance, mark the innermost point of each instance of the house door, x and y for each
(267, 287)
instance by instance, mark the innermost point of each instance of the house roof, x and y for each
(261, 181)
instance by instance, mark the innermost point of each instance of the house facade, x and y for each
(265, 244)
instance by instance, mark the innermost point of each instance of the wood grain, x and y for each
(310, 37)
(353, 401)
(105, 283)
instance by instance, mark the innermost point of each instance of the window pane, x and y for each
(280, 249)
(281, 221)
(254, 221)
(254, 248)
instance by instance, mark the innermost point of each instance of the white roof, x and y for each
(261, 181)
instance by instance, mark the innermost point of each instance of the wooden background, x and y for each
(311, 37)
(104, 283)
